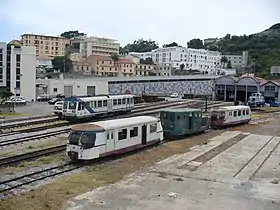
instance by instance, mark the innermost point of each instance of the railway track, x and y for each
(27, 179)
(7, 186)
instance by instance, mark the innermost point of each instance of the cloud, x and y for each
(126, 20)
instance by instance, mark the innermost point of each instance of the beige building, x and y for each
(98, 46)
(126, 67)
(83, 67)
(102, 65)
(50, 46)
(144, 69)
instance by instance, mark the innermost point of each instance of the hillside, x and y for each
(264, 47)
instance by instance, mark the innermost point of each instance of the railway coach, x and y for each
(76, 108)
(93, 140)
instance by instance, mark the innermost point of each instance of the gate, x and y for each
(68, 91)
(91, 90)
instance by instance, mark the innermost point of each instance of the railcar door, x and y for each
(110, 105)
(110, 141)
(144, 134)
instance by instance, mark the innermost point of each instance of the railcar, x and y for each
(89, 141)
(230, 115)
(180, 122)
(76, 108)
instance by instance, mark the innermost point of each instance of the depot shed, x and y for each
(231, 88)
(71, 87)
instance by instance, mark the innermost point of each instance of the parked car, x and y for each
(61, 95)
(174, 95)
(44, 97)
(58, 109)
(16, 100)
(54, 100)
(275, 104)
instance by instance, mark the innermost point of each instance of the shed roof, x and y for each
(114, 124)
(229, 108)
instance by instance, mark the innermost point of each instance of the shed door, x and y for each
(91, 90)
(68, 90)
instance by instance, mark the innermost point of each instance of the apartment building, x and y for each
(97, 46)
(50, 46)
(167, 55)
(142, 55)
(126, 67)
(237, 59)
(144, 69)
(102, 65)
(18, 70)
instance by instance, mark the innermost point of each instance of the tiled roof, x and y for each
(125, 61)
(99, 58)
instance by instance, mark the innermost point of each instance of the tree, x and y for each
(72, 34)
(229, 65)
(195, 44)
(141, 45)
(123, 50)
(147, 61)
(115, 57)
(182, 66)
(62, 63)
(4, 95)
(224, 60)
(173, 44)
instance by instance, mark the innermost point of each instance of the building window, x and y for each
(18, 57)
(55, 90)
(17, 70)
(17, 84)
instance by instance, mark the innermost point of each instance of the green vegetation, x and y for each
(72, 34)
(139, 45)
(62, 63)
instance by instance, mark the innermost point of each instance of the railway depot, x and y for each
(164, 86)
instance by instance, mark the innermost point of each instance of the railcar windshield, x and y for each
(86, 139)
(65, 104)
(72, 105)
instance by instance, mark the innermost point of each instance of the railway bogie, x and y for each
(180, 122)
(94, 140)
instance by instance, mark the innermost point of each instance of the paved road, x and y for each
(235, 170)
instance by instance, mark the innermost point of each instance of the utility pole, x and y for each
(63, 66)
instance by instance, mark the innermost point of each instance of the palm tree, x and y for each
(115, 57)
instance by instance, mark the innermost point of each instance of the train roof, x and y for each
(113, 124)
(98, 97)
(230, 108)
(182, 110)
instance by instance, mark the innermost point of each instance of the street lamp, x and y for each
(63, 66)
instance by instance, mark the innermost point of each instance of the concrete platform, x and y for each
(233, 171)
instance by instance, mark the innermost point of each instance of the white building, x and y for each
(193, 59)
(238, 60)
(18, 70)
(72, 87)
(97, 46)
(44, 61)
(142, 55)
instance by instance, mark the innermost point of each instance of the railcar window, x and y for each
(123, 101)
(178, 117)
(163, 115)
(112, 135)
(119, 101)
(132, 100)
(122, 134)
(108, 136)
(105, 103)
(74, 138)
(235, 113)
(247, 112)
(243, 112)
(230, 113)
(91, 104)
(115, 102)
(99, 103)
(134, 132)
(72, 105)
(153, 128)
(239, 112)
(88, 140)
(127, 101)
(65, 105)
(94, 104)
(87, 104)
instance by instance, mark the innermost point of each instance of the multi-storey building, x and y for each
(102, 65)
(50, 46)
(18, 70)
(237, 59)
(144, 69)
(142, 55)
(194, 59)
(97, 46)
(126, 67)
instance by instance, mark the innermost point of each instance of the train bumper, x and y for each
(73, 155)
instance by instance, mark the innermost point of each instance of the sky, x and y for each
(164, 21)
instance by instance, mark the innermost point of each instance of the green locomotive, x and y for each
(180, 122)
